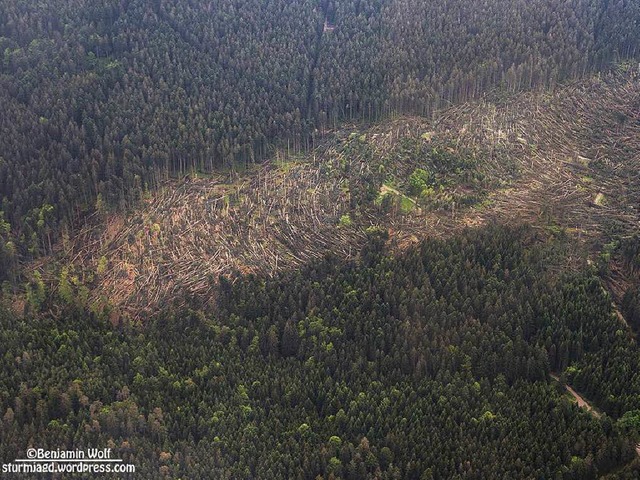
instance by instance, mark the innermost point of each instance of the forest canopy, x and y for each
(429, 364)
(387, 329)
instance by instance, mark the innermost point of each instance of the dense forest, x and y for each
(311, 284)
(101, 100)
(430, 364)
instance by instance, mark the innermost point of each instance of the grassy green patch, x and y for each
(407, 204)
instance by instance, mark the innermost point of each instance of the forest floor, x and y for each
(566, 162)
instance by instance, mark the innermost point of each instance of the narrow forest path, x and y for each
(582, 403)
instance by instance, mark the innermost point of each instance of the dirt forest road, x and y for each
(582, 403)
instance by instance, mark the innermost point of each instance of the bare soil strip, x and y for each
(582, 403)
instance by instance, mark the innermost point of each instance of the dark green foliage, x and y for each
(631, 307)
(430, 365)
(630, 254)
(439, 166)
(7, 251)
(626, 253)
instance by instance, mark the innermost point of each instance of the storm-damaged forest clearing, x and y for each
(566, 162)
(322, 240)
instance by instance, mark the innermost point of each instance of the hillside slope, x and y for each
(566, 161)
(99, 97)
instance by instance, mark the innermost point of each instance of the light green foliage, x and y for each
(630, 422)
(43, 214)
(406, 204)
(5, 227)
(242, 393)
(419, 181)
(334, 465)
(65, 290)
(487, 416)
(36, 293)
(102, 265)
(304, 430)
(345, 221)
